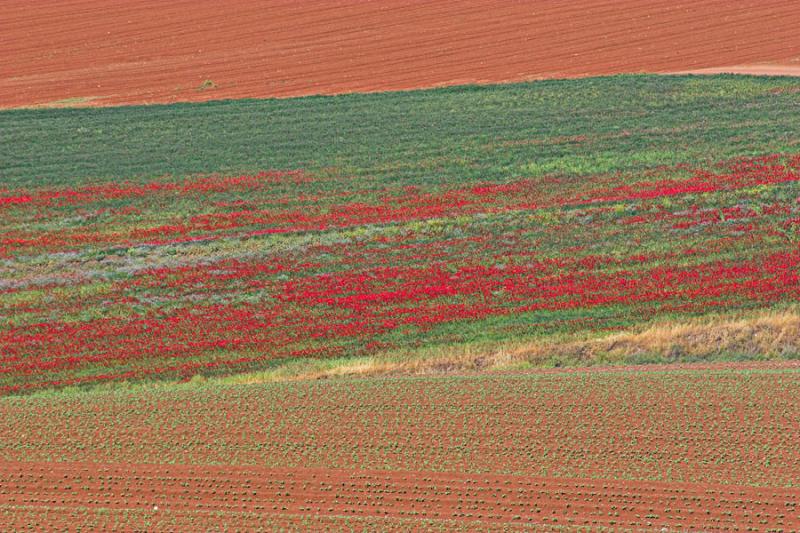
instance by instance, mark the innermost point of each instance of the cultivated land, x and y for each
(709, 449)
(473, 233)
(90, 52)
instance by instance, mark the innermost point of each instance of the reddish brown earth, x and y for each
(202, 496)
(704, 448)
(791, 68)
(140, 51)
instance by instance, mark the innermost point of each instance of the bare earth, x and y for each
(208, 496)
(88, 52)
(788, 69)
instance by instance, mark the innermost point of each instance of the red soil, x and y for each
(639, 450)
(788, 69)
(143, 51)
(201, 495)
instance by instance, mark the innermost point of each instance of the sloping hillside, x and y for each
(91, 52)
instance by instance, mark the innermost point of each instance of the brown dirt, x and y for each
(88, 52)
(791, 68)
(209, 493)
(681, 451)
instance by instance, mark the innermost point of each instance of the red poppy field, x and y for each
(193, 282)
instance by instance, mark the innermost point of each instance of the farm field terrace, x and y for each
(166, 242)
(700, 448)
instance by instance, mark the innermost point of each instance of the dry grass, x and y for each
(765, 335)
(78, 101)
(757, 335)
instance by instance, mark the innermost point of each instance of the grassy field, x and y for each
(422, 137)
(608, 220)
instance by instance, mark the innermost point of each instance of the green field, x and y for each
(430, 137)
(435, 230)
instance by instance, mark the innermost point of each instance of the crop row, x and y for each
(695, 426)
(488, 499)
(692, 448)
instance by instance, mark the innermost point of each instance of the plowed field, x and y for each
(91, 52)
(710, 448)
(248, 497)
